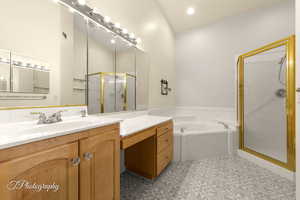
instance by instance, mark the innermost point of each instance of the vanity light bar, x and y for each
(94, 16)
(24, 65)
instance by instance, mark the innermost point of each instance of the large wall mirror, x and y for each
(50, 56)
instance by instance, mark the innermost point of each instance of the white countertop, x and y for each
(14, 134)
(136, 124)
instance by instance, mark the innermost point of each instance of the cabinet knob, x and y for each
(75, 161)
(88, 156)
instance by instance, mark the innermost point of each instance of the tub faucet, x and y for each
(224, 124)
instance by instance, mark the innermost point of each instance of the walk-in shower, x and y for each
(266, 114)
(111, 92)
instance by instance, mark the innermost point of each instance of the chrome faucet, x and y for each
(83, 113)
(54, 118)
(42, 118)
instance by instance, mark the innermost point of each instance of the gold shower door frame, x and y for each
(289, 43)
(102, 91)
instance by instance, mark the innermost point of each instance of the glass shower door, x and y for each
(265, 120)
(131, 91)
(121, 92)
(267, 102)
(108, 92)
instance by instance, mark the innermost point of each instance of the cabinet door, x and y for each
(28, 177)
(100, 167)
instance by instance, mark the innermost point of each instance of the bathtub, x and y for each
(196, 140)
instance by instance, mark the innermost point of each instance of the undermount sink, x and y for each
(66, 125)
(57, 126)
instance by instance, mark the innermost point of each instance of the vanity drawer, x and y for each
(131, 140)
(163, 159)
(166, 127)
(164, 141)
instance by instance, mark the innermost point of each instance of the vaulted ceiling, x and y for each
(206, 11)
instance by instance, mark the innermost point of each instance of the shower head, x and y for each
(282, 60)
(281, 69)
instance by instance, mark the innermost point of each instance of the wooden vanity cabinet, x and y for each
(52, 166)
(85, 165)
(100, 167)
(164, 146)
(150, 156)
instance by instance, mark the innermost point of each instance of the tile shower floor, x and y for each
(221, 178)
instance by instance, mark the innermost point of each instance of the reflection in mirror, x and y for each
(29, 75)
(45, 57)
(142, 80)
(73, 58)
(126, 77)
(101, 78)
(112, 75)
(265, 129)
(4, 71)
(58, 51)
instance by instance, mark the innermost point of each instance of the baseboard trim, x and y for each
(268, 165)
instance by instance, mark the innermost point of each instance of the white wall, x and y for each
(298, 98)
(144, 18)
(205, 57)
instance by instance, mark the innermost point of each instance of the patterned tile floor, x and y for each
(222, 178)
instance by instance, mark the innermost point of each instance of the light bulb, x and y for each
(81, 2)
(118, 25)
(190, 11)
(125, 31)
(106, 19)
(72, 10)
(138, 40)
(113, 41)
(96, 11)
(131, 35)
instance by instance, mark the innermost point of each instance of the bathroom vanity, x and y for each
(79, 158)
